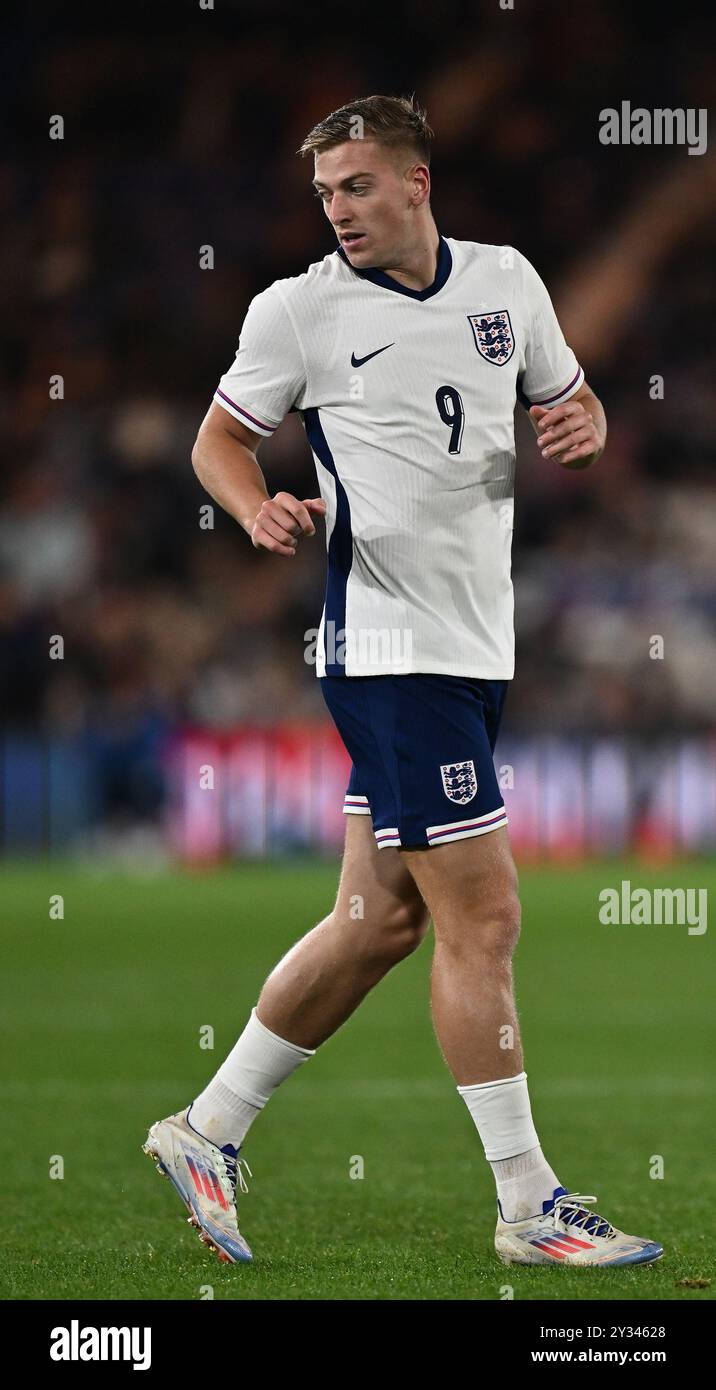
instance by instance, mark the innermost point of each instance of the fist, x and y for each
(283, 520)
(567, 433)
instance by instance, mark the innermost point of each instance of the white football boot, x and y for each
(567, 1233)
(206, 1178)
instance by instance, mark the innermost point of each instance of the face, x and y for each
(369, 196)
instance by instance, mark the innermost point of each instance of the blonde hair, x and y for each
(395, 122)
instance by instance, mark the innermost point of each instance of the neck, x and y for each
(418, 268)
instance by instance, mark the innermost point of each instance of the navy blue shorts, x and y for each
(422, 750)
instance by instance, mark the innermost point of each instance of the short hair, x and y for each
(394, 122)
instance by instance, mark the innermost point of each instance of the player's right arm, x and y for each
(224, 460)
(266, 377)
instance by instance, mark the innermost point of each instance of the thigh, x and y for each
(474, 877)
(376, 880)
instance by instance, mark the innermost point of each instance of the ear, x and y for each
(420, 179)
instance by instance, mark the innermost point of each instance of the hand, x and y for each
(283, 520)
(567, 433)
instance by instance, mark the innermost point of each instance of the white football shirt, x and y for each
(407, 398)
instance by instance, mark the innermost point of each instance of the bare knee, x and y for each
(499, 930)
(406, 926)
(396, 932)
(489, 924)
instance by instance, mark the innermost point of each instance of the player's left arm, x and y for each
(575, 432)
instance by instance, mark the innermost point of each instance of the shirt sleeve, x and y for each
(551, 372)
(268, 372)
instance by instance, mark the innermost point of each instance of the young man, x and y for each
(403, 351)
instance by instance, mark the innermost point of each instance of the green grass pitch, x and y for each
(102, 1017)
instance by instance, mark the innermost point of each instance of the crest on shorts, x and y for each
(459, 781)
(494, 338)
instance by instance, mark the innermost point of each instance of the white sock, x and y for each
(253, 1070)
(524, 1183)
(503, 1118)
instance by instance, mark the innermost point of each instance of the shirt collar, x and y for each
(388, 282)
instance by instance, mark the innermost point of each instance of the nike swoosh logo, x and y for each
(358, 361)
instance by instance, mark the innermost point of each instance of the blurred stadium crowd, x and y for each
(169, 147)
